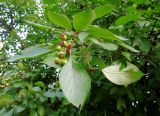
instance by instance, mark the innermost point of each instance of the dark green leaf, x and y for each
(121, 104)
(145, 45)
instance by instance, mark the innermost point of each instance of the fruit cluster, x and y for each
(63, 49)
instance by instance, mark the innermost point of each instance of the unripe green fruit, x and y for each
(63, 36)
(58, 61)
(65, 43)
(61, 55)
(64, 61)
(58, 48)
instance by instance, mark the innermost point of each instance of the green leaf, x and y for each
(145, 45)
(127, 18)
(96, 61)
(82, 20)
(60, 20)
(75, 83)
(50, 94)
(50, 60)
(49, 2)
(5, 99)
(107, 46)
(41, 110)
(127, 55)
(2, 111)
(127, 47)
(40, 84)
(102, 33)
(18, 109)
(30, 52)
(125, 76)
(107, 35)
(2, 0)
(121, 104)
(137, 1)
(103, 10)
(38, 25)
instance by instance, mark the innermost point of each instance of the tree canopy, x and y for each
(79, 57)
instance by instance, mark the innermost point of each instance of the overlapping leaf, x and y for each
(75, 83)
(82, 20)
(30, 52)
(60, 20)
(125, 76)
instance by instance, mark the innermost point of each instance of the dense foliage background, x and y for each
(29, 87)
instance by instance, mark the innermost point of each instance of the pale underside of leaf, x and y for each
(121, 43)
(107, 35)
(75, 83)
(126, 76)
(50, 60)
(30, 52)
(106, 45)
(82, 36)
